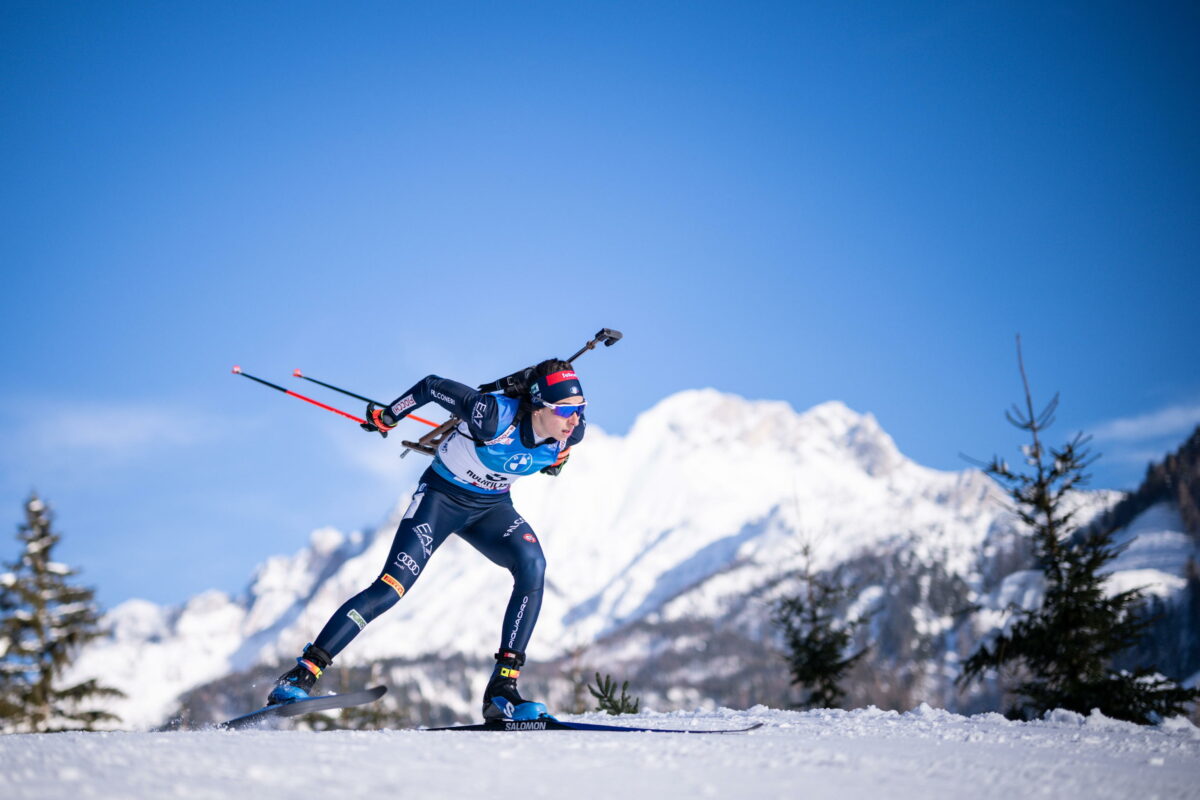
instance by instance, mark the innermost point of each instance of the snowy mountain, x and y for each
(665, 547)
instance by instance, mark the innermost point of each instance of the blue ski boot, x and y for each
(297, 682)
(501, 700)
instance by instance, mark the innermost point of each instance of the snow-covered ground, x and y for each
(820, 754)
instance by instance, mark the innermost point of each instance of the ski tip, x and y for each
(296, 373)
(237, 370)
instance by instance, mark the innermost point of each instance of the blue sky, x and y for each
(795, 201)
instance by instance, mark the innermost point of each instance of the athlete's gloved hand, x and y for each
(557, 466)
(375, 422)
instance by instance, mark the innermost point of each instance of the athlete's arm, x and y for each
(480, 411)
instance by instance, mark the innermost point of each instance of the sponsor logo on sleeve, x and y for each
(392, 582)
(408, 562)
(477, 413)
(356, 618)
(402, 405)
(445, 398)
(423, 532)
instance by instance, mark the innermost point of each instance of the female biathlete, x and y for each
(466, 491)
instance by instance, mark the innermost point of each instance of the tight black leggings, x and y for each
(493, 528)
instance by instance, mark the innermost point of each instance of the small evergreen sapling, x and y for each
(605, 693)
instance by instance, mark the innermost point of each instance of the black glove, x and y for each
(375, 422)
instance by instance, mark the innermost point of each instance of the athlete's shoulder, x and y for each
(487, 414)
(506, 406)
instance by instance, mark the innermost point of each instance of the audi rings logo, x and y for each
(406, 561)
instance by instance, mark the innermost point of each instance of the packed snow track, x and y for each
(841, 755)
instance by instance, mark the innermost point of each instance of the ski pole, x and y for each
(296, 373)
(238, 371)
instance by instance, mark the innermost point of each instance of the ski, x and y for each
(551, 724)
(324, 703)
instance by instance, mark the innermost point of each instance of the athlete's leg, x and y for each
(506, 539)
(430, 518)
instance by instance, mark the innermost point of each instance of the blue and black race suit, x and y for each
(464, 491)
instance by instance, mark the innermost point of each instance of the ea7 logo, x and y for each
(422, 531)
(477, 413)
(406, 561)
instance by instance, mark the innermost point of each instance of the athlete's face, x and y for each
(549, 424)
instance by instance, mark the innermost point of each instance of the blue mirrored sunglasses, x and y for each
(566, 412)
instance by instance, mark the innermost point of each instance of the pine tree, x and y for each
(816, 640)
(43, 622)
(605, 692)
(1065, 648)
